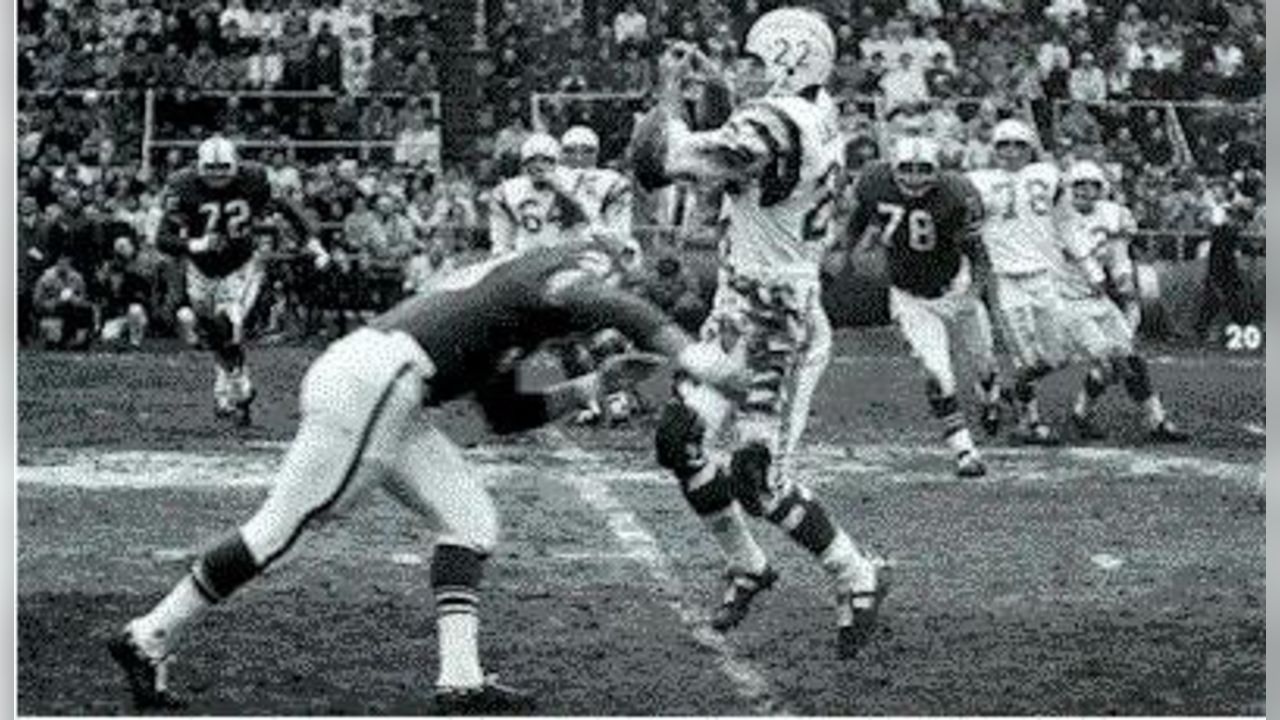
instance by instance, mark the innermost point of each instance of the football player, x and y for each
(1022, 241)
(365, 422)
(211, 215)
(927, 222)
(781, 159)
(1099, 291)
(535, 208)
(606, 197)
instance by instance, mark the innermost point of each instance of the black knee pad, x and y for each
(218, 330)
(222, 570)
(805, 520)
(749, 473)
(679, 440)
(942, 405)
(456, 566)
(710, 497)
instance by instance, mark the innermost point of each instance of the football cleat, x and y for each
(1086, 428)
(147, 675)
(1167, 432)
(1037, 434)
(743, 587)
(852, 637)
(970, 465)
(244, 409)
(490, 698)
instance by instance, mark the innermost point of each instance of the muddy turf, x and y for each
(1109, 578)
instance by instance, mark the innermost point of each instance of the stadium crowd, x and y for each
(364, 70)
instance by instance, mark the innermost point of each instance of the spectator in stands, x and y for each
(636, 73)
(1088, 82)
(235, 13)
(1130, 27)
(323, 70)
(926, 10)
(127, 295)
(266, 66)
(386, 72)
(1053, 53)
(32, 261)
(1223, 286)
(63, 311)
(1066, 12)
(285, 179)
(418, 144)
(939, 78)
(574, 79)
(630, 27)
(904, 84)
(420, 75)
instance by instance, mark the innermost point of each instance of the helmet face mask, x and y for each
(1085, 194)
(216, 161)
(1014, 154)
(916, 165)
(580, 147)
(539, 156)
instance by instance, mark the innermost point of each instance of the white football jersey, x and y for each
(523, 217)
(1018, 225)
(606, 196)
(780, 223)
(1102, 235)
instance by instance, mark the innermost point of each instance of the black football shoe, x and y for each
(490, 698)
(742, 589)
(853, 637)
(1036, 434)
(147, 675)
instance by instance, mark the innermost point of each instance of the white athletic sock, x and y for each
(960, 441)
(158, 630)
(459, 650)
(221, 386)
(849, 568)
(1031, 412)
(1155, 411)
(741, 552)
(1082, 405)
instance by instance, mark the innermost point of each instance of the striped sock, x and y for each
(455, 577)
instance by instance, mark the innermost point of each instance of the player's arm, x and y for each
(589, 305)
(303, 224)
(502, 224)
(1117, 264)
(756, 142)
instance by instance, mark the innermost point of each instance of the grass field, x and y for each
(1117, 577)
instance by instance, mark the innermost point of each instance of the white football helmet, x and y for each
(916, 164)
(217, 161)
(539, 155)
(796, 46)
(1088, 184)
(580, 146)
(1014, 142)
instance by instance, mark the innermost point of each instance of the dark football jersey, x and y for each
(479, 314)
(230, 212)
(924, 236)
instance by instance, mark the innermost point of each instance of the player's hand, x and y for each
(626, 370)
(204, 244)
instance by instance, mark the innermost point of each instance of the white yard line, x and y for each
(590, 478)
